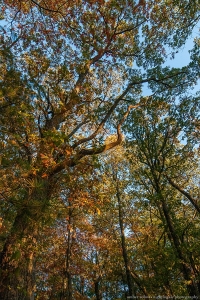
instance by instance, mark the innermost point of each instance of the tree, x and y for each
(67, 80)
(158, 148)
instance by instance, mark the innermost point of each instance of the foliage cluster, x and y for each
(99, 183)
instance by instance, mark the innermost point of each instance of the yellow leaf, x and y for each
(68, 152)
(43, 157)
(98, 211)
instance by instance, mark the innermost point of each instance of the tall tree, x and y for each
(158, 148)
(68, 76)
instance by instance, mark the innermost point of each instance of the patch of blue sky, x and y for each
(180, 59)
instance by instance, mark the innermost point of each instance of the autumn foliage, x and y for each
(99, 153)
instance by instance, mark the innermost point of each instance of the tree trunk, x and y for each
(97, 278)
(186, 270)
(96, 289)
(130, 275)
(123, 242)
(17, 256)
(67, 286)
(17, 279)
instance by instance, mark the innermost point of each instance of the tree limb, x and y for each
(183, 192)
(72, 161)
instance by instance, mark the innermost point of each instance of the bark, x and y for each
(68, 288)
(17, 267)
(17, 280)
(186, 194)
(185, 268)
(123, 241)
(130, 275)
(97, 278)
(96, 288)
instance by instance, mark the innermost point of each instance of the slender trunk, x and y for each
(96, 289)
(123, 241)
(82, 285)
(187, 273)
(174, 238)
(130, 275)
(67, 287)
(31, 277)
(97, 278)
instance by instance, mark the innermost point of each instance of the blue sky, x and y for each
(181, 59)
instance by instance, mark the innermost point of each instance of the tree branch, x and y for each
(46, 8)
(130, 85)
(183, 192)
(72, 161)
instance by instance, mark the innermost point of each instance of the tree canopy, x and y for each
(99, 181)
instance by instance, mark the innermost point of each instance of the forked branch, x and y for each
(72, 161)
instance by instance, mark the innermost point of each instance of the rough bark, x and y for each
(17, 266)
(17, 257)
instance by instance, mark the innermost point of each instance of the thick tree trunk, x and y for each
(17, 279)
(17, 256)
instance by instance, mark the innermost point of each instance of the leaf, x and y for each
(43, 156)
(98, 211)
(45, 175)
(34, 172)
(68, 151)
(16, 255)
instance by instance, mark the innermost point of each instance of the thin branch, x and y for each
(76, 128)
(130, 28)
(183, 192)
(46, 8)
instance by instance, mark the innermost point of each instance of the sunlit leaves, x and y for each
(71, 73)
